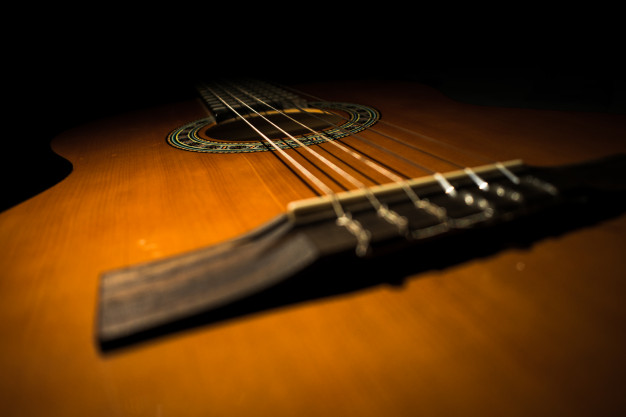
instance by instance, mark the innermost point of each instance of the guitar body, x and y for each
(537, 329)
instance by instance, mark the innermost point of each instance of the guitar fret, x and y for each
(276, 96)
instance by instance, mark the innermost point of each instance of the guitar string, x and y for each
(318, 183)
(445, 184)
(344, 218)
(448, 188)
(482, 184)
(485, 207)
(431, 208)
(379, 166)
(503, 169)
(381, 209)
(356, 229)
(376, 166)
(469, 199)
(500, 190)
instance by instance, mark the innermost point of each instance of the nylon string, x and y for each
(382, 210)
(344, 218)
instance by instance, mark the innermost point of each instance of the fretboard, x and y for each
(243, 96)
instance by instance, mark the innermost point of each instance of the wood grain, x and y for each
(529, 330)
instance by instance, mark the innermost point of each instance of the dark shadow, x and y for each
(345, 273)
(30, 173)
(28, 165)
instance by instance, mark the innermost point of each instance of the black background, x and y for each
(66, 67)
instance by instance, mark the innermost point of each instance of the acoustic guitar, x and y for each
(331, 249)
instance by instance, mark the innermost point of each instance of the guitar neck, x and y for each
(222, 98)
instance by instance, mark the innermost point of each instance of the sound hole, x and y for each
(240, 131)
